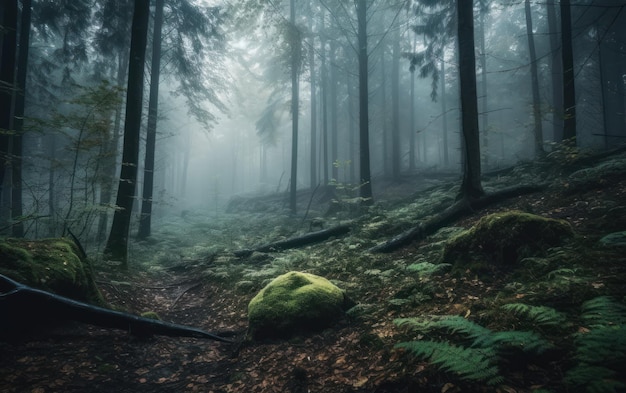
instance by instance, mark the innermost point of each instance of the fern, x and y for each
(529, 342)
(469, 363)
(601, 351)
(424, 269)
(602, 311)
(540, 315)
(451, 323)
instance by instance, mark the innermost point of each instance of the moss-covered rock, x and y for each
(295, 302)
(502, 239)
(53, 265)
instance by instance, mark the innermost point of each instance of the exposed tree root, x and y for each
(25, 307)
(295, 242)
(459, 209)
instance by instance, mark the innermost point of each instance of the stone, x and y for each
(294, 303)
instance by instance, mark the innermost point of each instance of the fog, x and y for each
(225, 125)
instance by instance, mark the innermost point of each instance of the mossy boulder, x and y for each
(503, 239)
(294, 303)
(53, 265)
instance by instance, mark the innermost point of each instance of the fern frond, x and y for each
(450, 323)
(603, 345)
(540, 315)
(595, 379)
(529, 342)
(603, 310)
(469, 363)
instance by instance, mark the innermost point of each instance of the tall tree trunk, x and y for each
(364, 143)
(110, 161)
(444, 114)
(334, 133)
(324, 99)
(20, 99)
(117, 245)
(145, 220)
(396, 157)
(471, 186)
(412, 114)
(483, 66)
(313, 147)
(569, 89)
(295, 69)
(384, 105)
(534, 81)
(556, 70)
(8, 12)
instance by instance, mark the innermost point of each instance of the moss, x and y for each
(150, 315)
(294, 302)
(52, 265)
(503, 239)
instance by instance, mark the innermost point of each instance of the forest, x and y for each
(313, 196)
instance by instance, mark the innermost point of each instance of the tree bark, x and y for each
(20, 99)
(534, 81)
(145, 219)
(555, 72)
(569, 89)
(44, 306)
(471, 186)
(117, 245)
(8, 12)
(364, 144)
(295, 242)
(313, 147)
(295, 70)
(461, 208)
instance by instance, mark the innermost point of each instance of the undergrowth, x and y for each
(476, 353)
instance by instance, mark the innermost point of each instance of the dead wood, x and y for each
(296, 242)
(24, 307)
(459, 209)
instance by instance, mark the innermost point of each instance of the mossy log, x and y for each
(295, 242)
(459, 209)
(23, 307)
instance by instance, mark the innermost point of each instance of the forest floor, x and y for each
(188, 275)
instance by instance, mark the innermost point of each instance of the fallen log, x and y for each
(295, 242)
(22, 306)
(456, 211)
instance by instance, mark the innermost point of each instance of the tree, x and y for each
(556, 72)
(145, 218)
(364, 144)
(471, 186)
(8, 12)
(296, 53)
(534, 81)
(20, 99)
(569, 88)
(117, 244)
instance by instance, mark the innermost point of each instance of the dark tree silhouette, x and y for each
(471, 186)
(364, 143)
(148, 173)
(117, 244)
(569, 89)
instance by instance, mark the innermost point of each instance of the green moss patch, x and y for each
(503, 239)
(294, 302)
(52, 265)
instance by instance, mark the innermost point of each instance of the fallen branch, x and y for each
(22, 306)
(459, 209)
(295, 242)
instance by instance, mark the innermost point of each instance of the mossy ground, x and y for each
(52, 265)
(356, 355)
